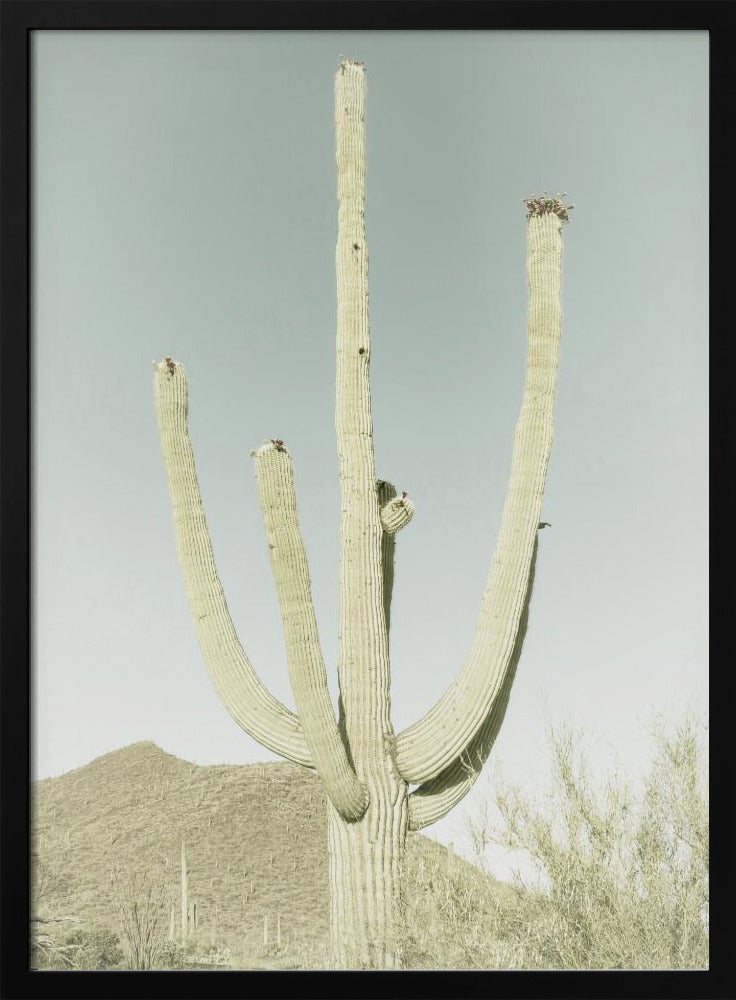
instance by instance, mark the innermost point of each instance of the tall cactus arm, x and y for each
(245, 697)
(277, 496)
(427, 747)
(395, 513)
(434, 799)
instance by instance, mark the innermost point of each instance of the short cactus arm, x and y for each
(396, 513)
(247, 700)
(277, 496)
(425, 749)
(434, 799)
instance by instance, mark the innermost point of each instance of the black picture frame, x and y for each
(19, 18)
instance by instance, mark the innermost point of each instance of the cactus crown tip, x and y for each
(352, 63)
(270, 444)
(167, 365)
(543, 204)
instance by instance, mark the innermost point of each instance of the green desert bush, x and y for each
(83, 948)
(48, 950)
(620, 879)
(95, 948)
(171, 955)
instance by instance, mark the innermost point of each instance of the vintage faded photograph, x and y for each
(370, 463)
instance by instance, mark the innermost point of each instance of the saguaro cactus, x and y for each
(366, 768)
(184, 897)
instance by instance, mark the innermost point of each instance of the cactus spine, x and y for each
(365, 767)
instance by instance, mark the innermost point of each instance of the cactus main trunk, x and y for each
(365, 855)
(365, 863)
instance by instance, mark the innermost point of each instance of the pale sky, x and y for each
(185, 204)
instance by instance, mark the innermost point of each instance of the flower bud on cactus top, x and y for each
(541, 204)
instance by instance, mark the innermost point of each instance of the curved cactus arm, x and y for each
(395, 513)
(245, 697)
(427, 747)
(434, 799)
(277, 496)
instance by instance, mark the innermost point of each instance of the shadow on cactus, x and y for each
(367, 768)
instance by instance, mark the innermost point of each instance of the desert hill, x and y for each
(255, 840)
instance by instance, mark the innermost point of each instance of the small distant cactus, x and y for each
(184, 896)
(366, 768)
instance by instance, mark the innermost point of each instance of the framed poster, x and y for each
(207, 185)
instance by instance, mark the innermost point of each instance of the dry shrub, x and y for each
(452, 914)
(624, 878)
(50, 951)
(142, 911)
(615, 880)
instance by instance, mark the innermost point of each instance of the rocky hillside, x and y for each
(254, 835)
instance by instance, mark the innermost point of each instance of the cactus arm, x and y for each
(427, 747)
(396, 513)
(245, 697)
(277, 496)
(435, 798)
